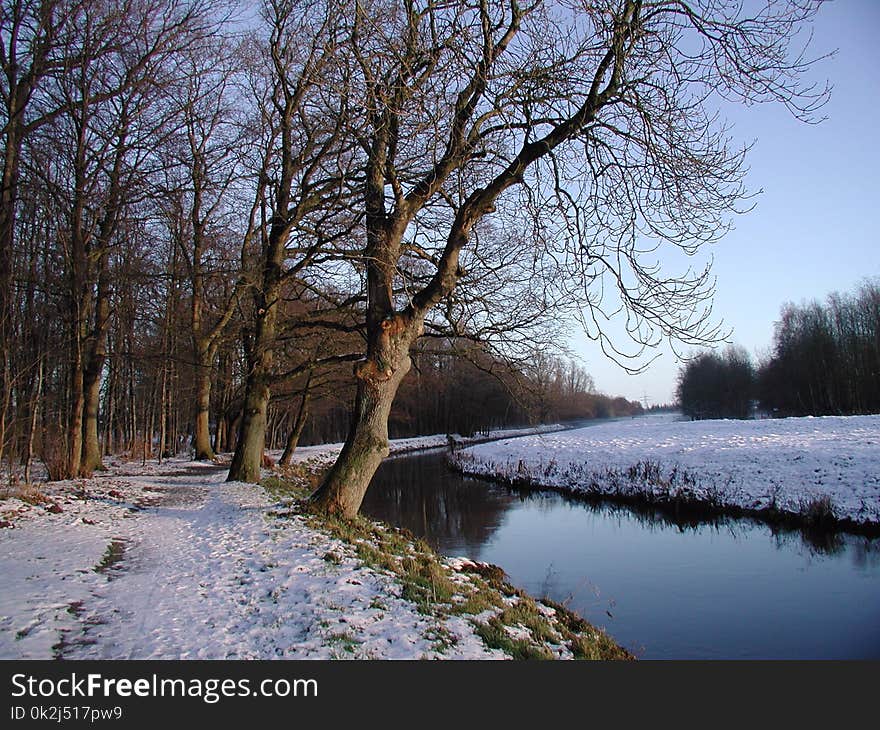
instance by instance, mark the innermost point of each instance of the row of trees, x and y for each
(714, 385)
(456, 388)
(210, 213)
(826, 357)
(825, 360)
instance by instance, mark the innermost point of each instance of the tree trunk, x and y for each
(91, 456)
(202, 438)
(32, 429)
(75, 425)
(8, 194)
(163, 412)
(220, 436)
(248, 457)
(295, 432)
(366, 446)
(247, 460)
(97, 356)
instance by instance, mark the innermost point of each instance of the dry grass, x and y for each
(29, 493)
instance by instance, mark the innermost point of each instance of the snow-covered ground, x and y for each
(178, 564)
(149, 561)
(782, 464)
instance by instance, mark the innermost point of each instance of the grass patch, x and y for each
(503, 616)
(425, 582)
(482, 598)
(112, 555)
(285, 488)
(495, 635)
(344, 641)
(819, 512)
(583, 639)
(442, 639)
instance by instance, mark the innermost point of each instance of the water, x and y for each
(727, 589)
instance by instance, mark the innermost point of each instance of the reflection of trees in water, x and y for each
(422, 495)
(816, 541)
(864, 552)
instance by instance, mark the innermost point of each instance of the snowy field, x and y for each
(790, 465)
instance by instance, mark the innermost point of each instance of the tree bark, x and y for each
(202, 437)
(91, 445)
(247, 460)
(7, 237)
(378, 378)
(75, 424)
(346, 484)
(297, 429)
(97, 356)
(32, 429)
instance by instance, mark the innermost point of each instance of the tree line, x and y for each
(240, 225)
(825, 360)
(150, 220)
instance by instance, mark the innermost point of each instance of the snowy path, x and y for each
(198, 569)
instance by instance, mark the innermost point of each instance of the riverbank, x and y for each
(172, 562)
(820, 472)
(323, 455)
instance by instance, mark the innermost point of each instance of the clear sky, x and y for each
(814, 228)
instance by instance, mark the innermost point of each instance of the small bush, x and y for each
(55, 455)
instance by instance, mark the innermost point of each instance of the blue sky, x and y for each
(813, 230)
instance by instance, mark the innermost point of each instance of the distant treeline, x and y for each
(825, 360)
(718, 386)
(461, 388)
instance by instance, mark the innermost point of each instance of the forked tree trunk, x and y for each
(365, 447)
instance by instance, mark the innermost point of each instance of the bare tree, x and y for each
(826, 357)
(102, 132)
(303, 172)
(593, 122)
(202, 203)
(29, 53)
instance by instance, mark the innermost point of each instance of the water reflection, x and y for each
(451, 512)
(419, 492)
(681, 586)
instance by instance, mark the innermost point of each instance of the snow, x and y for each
(781, 464)
(327, 453)
(203, 569)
